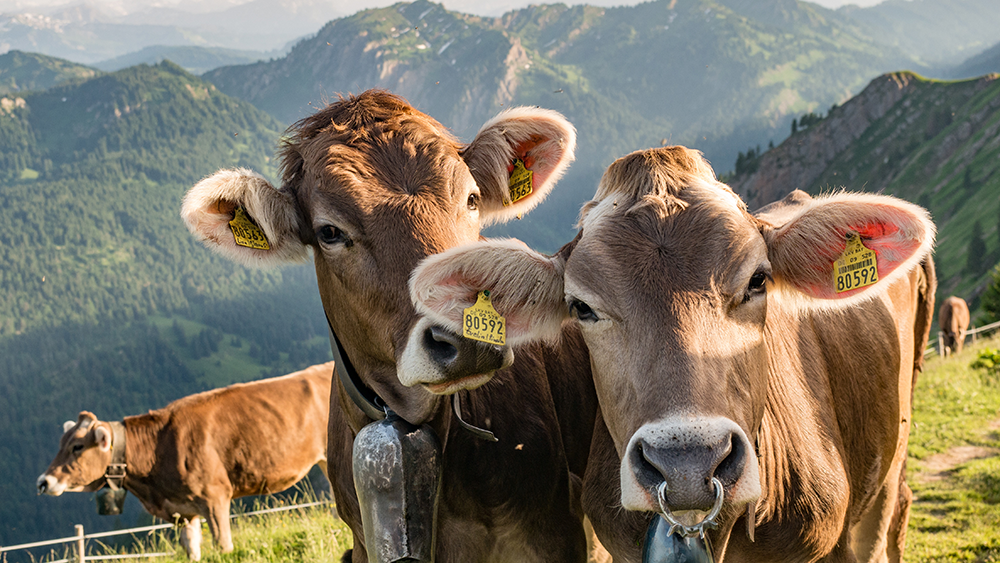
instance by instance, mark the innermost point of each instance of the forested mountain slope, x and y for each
(106, 301)
(932, 142)
(21, 72)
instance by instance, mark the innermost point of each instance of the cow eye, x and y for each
(757, 285)
(473, 202)
(582, 311)
(77, 449)
(328, 234)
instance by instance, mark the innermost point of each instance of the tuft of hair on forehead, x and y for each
(655, 178)
(368, 118)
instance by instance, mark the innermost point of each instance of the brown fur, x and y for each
(192, 457)
(953, 318)
(822, 380)
(398, 187)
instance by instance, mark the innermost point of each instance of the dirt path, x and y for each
(938, 466)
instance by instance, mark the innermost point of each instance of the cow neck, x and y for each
(114, 474)
(140, 444)
(370, 402)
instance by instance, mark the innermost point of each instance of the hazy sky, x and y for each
(482, 7)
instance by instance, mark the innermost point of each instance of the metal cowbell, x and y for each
(397, 476)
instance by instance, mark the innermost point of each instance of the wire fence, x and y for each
(937, 345)
(80, 538)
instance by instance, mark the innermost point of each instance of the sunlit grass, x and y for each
(956, 514)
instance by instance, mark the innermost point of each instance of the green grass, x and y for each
(308, 535)
(955, 517)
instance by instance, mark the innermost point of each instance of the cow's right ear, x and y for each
(68, 425)
(526, 288)
(242, 216)
(516, 159)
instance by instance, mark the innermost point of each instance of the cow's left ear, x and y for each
(516, 159)
(848, 246)
(526, 288)
(102, 435)
(68, 425)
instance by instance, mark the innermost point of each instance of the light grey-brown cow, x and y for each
(764, 359)
(953, 318)
(188, 460)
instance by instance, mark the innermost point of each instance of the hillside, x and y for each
(932, 142)
(934, 32)
(726, 73)
(106, 302)
(985, 62)
(194, 59)
(23, 72)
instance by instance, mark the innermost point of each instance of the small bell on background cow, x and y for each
(397, 475)
(664, 547)
(110, 502)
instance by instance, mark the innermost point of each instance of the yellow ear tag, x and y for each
(246, 232)
(856, 267)
(482, 322)
(520, 183)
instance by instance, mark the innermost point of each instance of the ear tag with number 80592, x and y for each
(856, 267)
(482, 322)
(521, 182)
(246, 232)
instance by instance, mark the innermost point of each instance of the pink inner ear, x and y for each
(886, 240)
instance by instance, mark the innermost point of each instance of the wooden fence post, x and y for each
(973, 334)
(940, 344)
(81, 544)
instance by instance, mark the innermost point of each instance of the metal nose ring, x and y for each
(697, 530)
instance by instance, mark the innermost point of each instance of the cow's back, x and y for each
(262, 436)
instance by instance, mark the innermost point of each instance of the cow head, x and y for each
(669, 280)
(372, 186)
(84, 455)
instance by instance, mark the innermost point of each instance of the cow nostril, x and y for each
(731, 467)
(440, 345)
(644, 468)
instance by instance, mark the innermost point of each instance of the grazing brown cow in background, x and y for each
(953, 318)
(372, 186)
(188, 460)
(730, 370)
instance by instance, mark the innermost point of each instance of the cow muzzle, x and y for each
(49, 485)
(682, 465)
(445, 362)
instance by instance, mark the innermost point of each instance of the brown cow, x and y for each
(953, 318)
(725, 359)
(371, 186)
(188, 460)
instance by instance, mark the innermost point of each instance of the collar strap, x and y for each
(117, 469)
(363, 396)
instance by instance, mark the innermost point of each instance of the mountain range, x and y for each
(717, 75)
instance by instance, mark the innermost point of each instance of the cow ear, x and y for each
(526, 288)
(242, 216)
(68, 425)
(103, 438)
(516, 159)
(804, 252)
(85, 419)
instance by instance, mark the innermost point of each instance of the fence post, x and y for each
(81, 544)
(940, 344)
(973, 334)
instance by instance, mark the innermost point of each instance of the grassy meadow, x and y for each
(953, 468)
